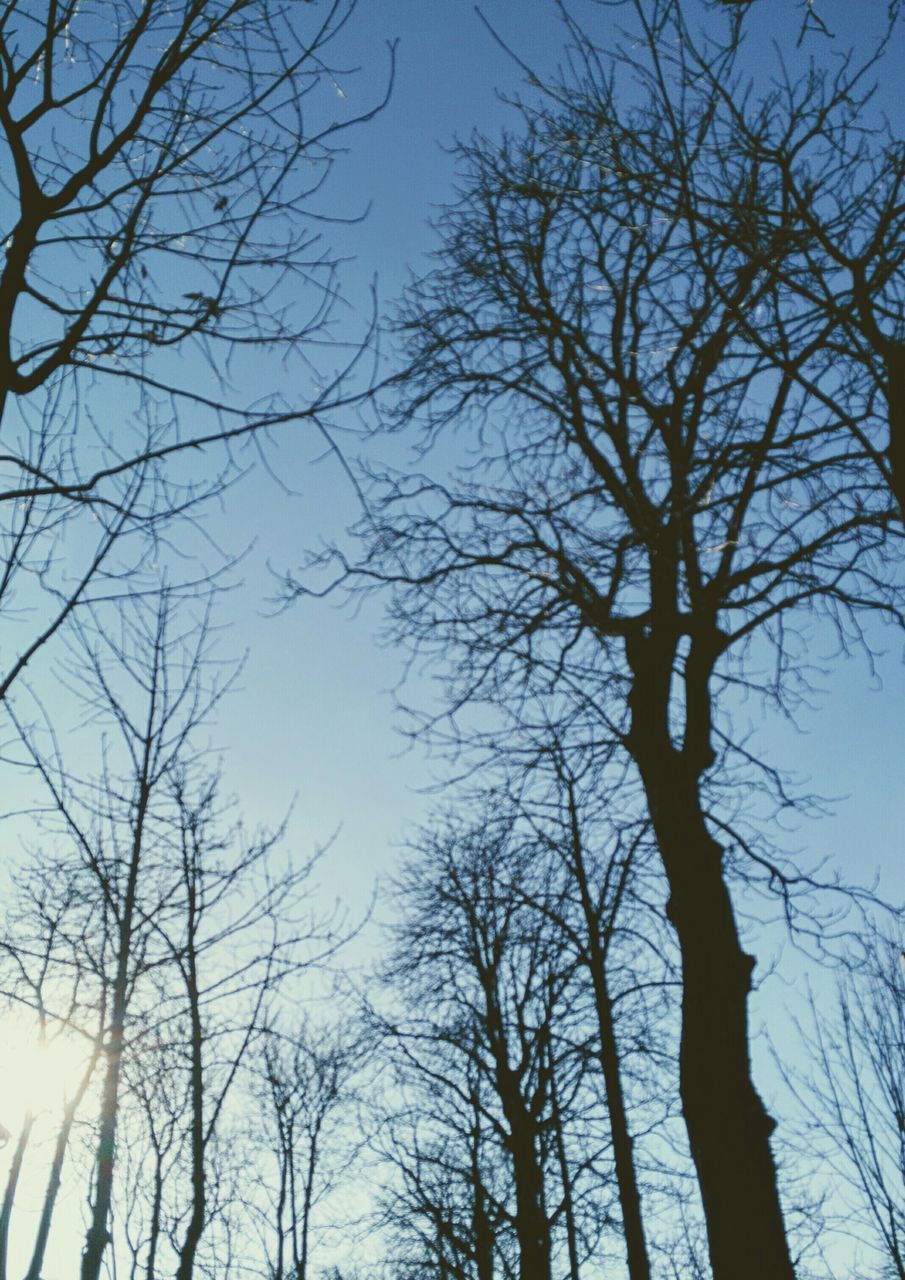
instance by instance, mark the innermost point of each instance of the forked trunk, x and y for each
(728, 1126)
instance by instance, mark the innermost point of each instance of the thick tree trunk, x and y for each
(895, 452)
(728, 1126)
(531, 1225)
(480, 1224)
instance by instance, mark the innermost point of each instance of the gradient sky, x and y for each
(313, 718)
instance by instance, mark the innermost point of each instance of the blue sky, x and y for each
(314, 717)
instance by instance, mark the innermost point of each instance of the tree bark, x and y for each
(532, 1226)
(562, 1157)
(895, 395)
(480, 1223)
(198, 1216)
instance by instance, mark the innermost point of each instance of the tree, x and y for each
(162, 163)
(307, 1095)
(660, 494)
(603, 907)
(852, 1093)
(819, 212)
(175, 932)
(499, 1140)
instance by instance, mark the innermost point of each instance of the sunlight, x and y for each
(36, 1075)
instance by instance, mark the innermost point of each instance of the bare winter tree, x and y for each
(52, 991)
(663, 488)
(499, 1139)
(185, 929)
(160, 166)
(819, 210)
(607, 914)
(852, 1092)
(307, 1102)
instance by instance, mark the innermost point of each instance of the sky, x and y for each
(315, 718)
(312, 723)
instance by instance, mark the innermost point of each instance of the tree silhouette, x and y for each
(661, 489)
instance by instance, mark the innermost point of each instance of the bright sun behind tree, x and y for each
(37, 1074)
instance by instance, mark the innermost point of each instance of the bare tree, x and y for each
(660, 493)
(606, 913)
(159, 226)
(823, 214)
(189, 927)
(852, 1094)
(499, 1140)
(307, 1104)
(53, 996)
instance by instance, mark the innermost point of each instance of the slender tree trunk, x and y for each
(156, 1223)
(9, 1195)
(282, 1194)
(56, 1170)
(97, 1236)
(311, 1168)
(728, 1126)
(608, 1053)
(198, 1217)
(565, 1178)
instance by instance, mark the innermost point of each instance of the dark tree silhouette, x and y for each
(176, 932)
(662, 489)
(605, 906)
(818, 210)
(307, 1100)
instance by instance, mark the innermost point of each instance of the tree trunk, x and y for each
(608, 1053)
(56, 1170)
(480, 1224)
(97, 1236)
(562, 1158)
(198, 1216)
(9, 1195)
(531, 1224)
(895, 395)
(301, 1270)
(728, 1126)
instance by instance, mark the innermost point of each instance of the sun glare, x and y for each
(36, 1075)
